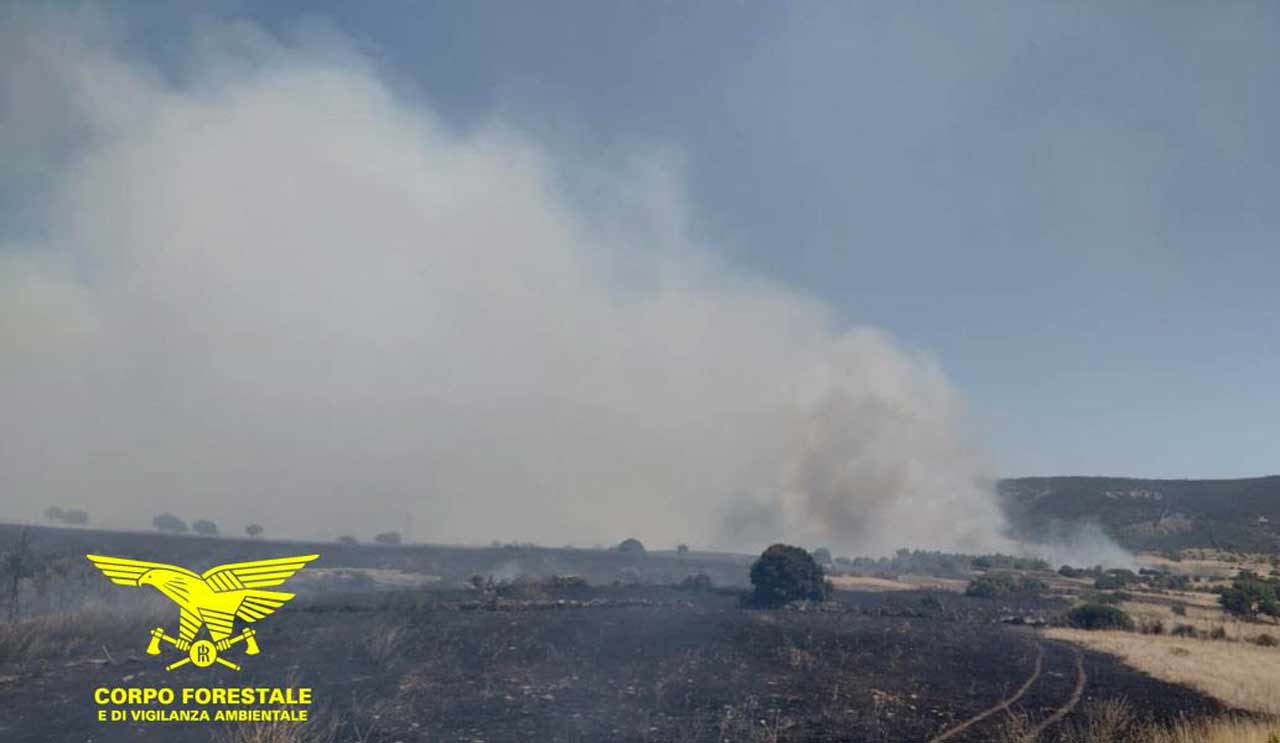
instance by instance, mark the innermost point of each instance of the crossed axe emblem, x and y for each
(203, 653)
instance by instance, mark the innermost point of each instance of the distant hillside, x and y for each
(1153, 514)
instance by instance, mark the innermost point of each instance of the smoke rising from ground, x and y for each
(272, 290)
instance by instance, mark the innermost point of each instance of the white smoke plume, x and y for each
(273, 289)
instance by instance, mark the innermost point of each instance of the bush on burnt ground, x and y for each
(998, 585)
(1007, 562)
(1109, 582)
(696, 582)
(1107, 597)
(1099, 616)
(783, 574)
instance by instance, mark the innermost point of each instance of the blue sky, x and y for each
(1070, 205)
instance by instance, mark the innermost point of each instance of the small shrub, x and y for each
(1108, 582)
(1107, 597)
(571, 583)
(1218, 633)
(997, 585)
(631, 546)
(1151, 627)
(1184, 630)
(696, 582)
(1179, 608)
(1099, 616)
(388, 537)
(1266, 641)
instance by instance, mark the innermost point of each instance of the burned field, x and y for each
(559, 661)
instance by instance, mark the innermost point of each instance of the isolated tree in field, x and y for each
(347, 539)
(53, 513)
(170, 523)
(682, 549)
(205, 527)
(75, 517)
(783, 574)
(253, 530)
(631, 546)
(17, 563)
(388, 537)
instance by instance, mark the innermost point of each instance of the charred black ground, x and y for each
(563, 661)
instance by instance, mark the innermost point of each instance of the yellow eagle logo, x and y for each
(213, 600)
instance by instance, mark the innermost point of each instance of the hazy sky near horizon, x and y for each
(1069, 207)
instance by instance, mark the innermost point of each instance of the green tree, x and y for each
(783, 574)
(75, 517)
(205, 527)
(169, 522)
(1250, 595)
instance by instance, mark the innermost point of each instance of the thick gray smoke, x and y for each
(270, 289)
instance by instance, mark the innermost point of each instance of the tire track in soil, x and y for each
(1001, 706)
(1082, 680)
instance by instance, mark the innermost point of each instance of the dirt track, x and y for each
(1001, 706)
(1077, 693)
(1082, 680)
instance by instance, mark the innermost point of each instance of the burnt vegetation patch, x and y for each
(669, 654)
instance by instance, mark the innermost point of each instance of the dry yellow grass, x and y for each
(1229, 730)
(1209, 563)
(902, 583)
(1190, 598)
(867, 583)
(1204, 618)
(1113, 721)
(1239, 674)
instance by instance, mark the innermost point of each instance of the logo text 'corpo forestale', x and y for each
(209, 606)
